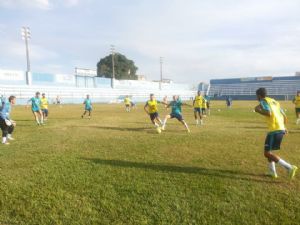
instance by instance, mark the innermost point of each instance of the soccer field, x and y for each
(115, 169)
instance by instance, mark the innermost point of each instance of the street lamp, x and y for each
(161, 72)
(26, 35)
(112, 49)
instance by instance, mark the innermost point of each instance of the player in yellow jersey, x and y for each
(296, 101)
(152, 110)
(276, 120)
(198, 103)
(44, 106)
(127, 102)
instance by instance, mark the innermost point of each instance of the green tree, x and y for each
(125, 69)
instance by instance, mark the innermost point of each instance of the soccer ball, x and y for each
(158, 130)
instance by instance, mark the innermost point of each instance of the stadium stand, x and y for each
(72, 89)
(283, 88)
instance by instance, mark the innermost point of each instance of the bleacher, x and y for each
(283, 88)
(72, 89)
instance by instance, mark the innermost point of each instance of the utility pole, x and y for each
(26, 35)
(112, 49)
(161, 72)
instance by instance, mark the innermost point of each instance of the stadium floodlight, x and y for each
(112, 49)
(161, 72)
(26, 35)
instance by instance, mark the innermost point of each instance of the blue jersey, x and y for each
(176, 106)
(35, 104)
(5, 109)
(88, 104)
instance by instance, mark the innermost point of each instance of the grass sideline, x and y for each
(115, 169)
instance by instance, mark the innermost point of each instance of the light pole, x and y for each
(112, 49)
(161, 72)
(26, 35)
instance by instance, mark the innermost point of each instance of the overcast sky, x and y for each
(199, 40)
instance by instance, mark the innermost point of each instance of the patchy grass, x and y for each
(115, 169)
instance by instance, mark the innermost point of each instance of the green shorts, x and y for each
(273, 140)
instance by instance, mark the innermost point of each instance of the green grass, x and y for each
(115, 169)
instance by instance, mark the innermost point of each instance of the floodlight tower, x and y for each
(112, 49)
(26, 35)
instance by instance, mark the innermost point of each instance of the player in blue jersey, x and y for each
(36, 108)
(6, 123)
(87, 106)
(176, 112)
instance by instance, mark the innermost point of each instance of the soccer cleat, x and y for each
(10, 138)
(292, 172)
(6, 143)
(271, 174)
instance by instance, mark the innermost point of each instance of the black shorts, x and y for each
(273, 140)
(45, 111)
(297, 110)
(177, 116)
(153, 116)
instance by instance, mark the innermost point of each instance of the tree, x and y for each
(125, 69)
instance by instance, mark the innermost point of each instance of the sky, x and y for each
(198, 40)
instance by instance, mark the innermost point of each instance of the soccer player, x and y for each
(197, 103)
(7, 125)
(176, 112)
(152, 110)
(204, 107)
(229, 102)
(44, 106)
(127, 102)
(87, 106)
(276, 120)
(207, 104)
(36, 108)
(296, 101)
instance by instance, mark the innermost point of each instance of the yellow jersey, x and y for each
(127, 101)
(198, 101)
(44, 103)
(276, 121)
(297, 101)
(152, 106)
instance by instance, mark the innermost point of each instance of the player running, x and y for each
(152, 110)
(206, 97)
(197, 103)
(87, 106)
(176, 112)
(7, 125)
(36, 108)
(276, 120)
(44, 106)
(127, 102)
(296, 101)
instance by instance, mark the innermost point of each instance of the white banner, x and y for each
(65, 78)
(85, 72)
(12, 75)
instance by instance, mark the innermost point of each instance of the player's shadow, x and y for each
(227, 174)
(136, 129)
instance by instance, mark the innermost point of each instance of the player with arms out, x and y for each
(6, 123)
(296, 101)
(44, 106)
(152, 110)
(276, 120)
(197, 103)
(36, 108)
(87, 106)
(176, 112)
